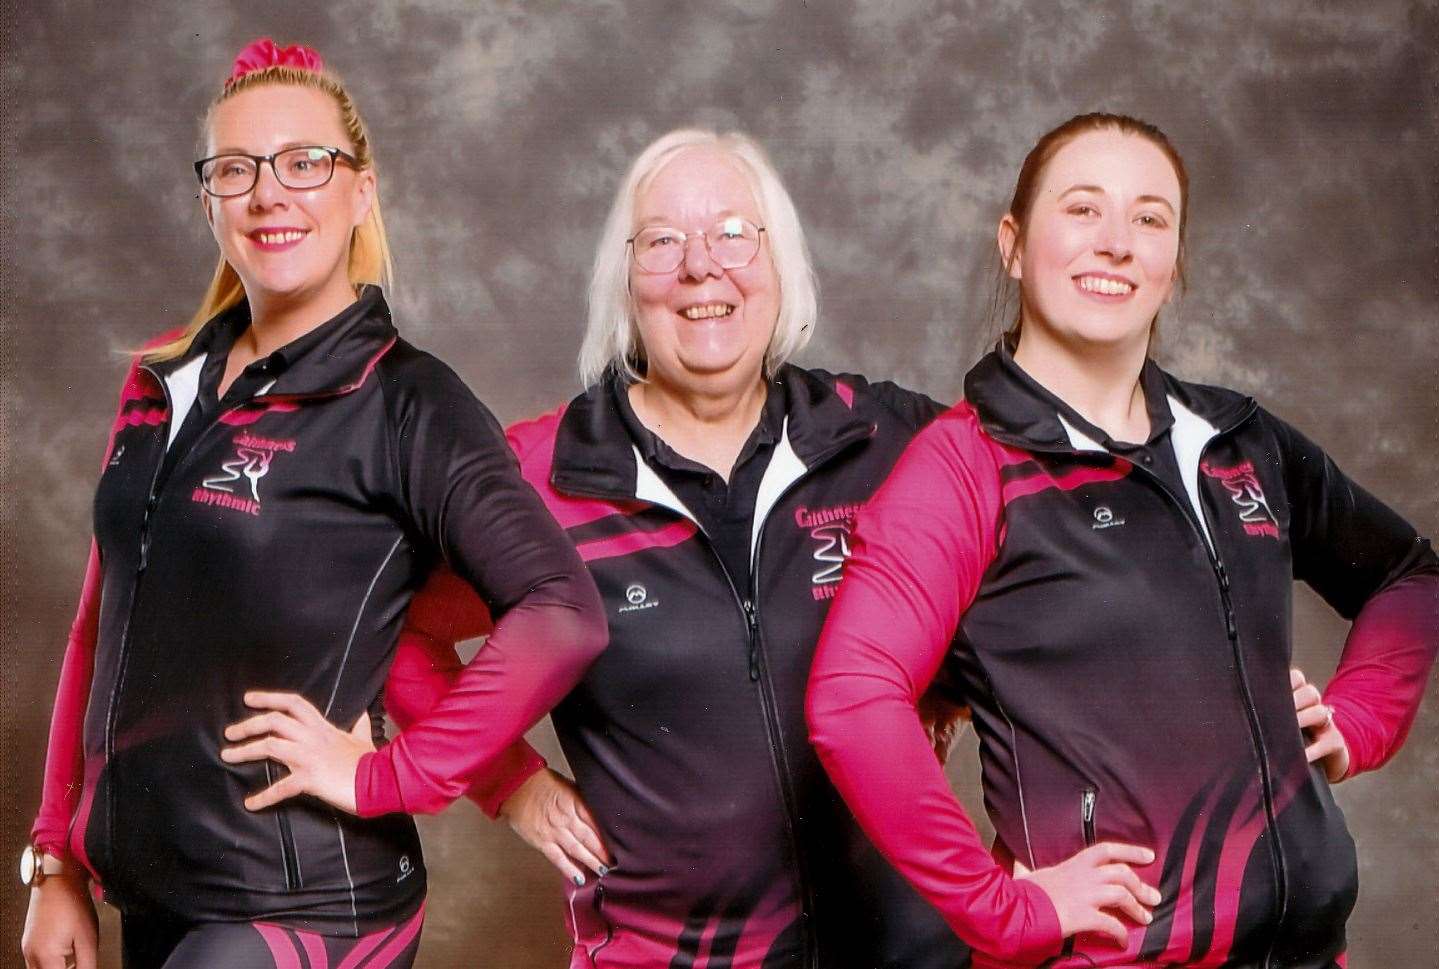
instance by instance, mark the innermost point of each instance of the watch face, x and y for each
(29, 863)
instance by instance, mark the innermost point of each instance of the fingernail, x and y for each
(580, 880)
(1148, 856)
(1148, 917)
(604, 870)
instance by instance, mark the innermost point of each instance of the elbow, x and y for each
(822, 717)
(587, 629)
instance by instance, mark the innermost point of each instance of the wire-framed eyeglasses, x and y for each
(732, 242)
(307, 166)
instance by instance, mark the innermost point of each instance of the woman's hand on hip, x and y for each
(321, 758)
(60, 925)
(547, 812)
(1090, 887)
(1322, 740)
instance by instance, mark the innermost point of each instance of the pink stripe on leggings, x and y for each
(400, 941)
(282, 950)
(363, 948)
(314, 950)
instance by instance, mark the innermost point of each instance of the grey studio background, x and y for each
(501, 130)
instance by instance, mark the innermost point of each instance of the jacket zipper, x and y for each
(1221, 577)
(767, 703)
(122, 662)
(152, 500)
(1231, 629)
(1086, 825)
(1086, 815)
(750, 612)
(776, 754)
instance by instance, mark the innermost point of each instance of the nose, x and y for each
(1115, 238)
(698, 264)
(268, 191)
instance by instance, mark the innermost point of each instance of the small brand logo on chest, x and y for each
(1104, 517)
(638, 598)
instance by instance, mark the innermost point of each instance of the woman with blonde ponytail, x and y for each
(280, 477)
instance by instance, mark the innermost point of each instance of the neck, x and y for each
(1101, 382)
(276, 321)
(708, 424)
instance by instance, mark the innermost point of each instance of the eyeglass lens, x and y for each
(732, 242)
(295, 168)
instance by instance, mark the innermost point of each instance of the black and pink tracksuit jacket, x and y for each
(687, 737)
(280, 552)
(1125, 649)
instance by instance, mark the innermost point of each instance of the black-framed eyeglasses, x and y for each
(732, 242)
(304, 167)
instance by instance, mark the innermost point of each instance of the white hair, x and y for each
(611, 336)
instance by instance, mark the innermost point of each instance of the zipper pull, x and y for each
(1086, 815)
(751, 624)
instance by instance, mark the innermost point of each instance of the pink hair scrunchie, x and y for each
(260, 54)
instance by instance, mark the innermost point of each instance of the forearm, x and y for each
(423, 672)
(868, 735)
(1387, 660)
(64, 758)
(538, 651)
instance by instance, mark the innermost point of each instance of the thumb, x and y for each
(362, 730)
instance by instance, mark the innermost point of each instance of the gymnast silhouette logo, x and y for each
(249, 464)
(1255, 515)
(832, 552)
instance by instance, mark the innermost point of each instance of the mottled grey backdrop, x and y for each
(501, 130)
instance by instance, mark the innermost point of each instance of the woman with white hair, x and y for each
(709, 486)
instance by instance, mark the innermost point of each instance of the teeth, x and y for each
(276, 238)
(706, 311)
(1109, 287)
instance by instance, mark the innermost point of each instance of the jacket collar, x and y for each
(1016, 409)
(333, 358)
(595, 453)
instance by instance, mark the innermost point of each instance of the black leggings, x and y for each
(162, 942)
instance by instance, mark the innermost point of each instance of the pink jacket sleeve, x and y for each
(1372, 567)
(1386, 663)
(919, 551)
(64, 757)
(446, 611)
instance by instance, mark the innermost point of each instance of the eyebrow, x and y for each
(668, 223)
(285, 147)
(1099, 191)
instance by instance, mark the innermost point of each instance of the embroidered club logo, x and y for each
(237, 486)
(830, 528)
(1245, 492)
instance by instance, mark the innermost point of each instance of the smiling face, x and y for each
(701, 324)
(1098, 253)
(288, 246)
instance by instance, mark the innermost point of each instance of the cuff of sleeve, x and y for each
(1348, 725)
(1042, 937)
(377, 786)
(56, 846)
(528, 764)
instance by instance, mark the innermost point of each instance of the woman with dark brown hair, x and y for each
(1102, 557)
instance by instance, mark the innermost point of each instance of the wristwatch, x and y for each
(36, 865)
